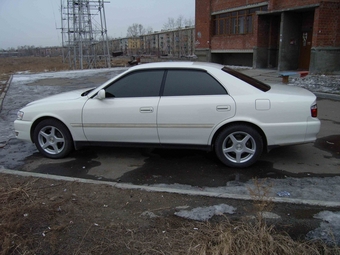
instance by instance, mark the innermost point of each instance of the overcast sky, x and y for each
(35, 22)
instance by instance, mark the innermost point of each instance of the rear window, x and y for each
(251, 81)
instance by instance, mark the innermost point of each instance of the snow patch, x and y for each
(308, 188)
(205, 213)
(26, 78)
(329, 230)
(319, 83)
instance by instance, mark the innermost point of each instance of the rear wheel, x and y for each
(239, 146)
(52, 139)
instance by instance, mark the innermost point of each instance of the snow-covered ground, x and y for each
(27, 78)
(329, 230)
(318, 83)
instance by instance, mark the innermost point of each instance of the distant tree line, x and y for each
(24, 51)
(136, 29)
(27, 50)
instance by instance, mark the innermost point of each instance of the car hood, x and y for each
(66, 96)
(289, 90)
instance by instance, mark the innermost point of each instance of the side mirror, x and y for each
(101, 94)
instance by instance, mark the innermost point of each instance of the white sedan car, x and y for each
(174, 105)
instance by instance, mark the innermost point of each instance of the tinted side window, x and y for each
(191, 82)
(137, 84)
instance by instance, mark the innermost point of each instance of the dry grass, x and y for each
(35, 219)
(33, 64)
(13, 65)
(23, 215)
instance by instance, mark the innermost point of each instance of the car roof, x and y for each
(178, 64)
(235, 85)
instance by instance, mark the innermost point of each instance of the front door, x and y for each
(121, 120)
(305, 50)
(129, 111)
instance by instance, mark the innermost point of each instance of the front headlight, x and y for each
(20, 115)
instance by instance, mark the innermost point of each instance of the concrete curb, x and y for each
(327, 96)
(3, 94)
(172, 190)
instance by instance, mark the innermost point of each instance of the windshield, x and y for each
(251, 81)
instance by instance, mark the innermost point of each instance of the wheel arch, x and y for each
(37, 121)
(249, 124)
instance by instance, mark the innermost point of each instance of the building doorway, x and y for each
(305, 40)
(305, 50)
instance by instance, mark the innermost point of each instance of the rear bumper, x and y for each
(292, 133)
(313, 128)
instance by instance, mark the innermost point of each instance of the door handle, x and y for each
(146, 109)
(223, 108)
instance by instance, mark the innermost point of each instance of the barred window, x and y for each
(238, 22)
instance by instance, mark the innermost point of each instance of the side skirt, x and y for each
(81, 144)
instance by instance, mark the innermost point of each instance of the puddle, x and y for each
(77, 165)
(196, 168)
(330, 144)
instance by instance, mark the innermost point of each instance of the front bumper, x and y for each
(23, 130)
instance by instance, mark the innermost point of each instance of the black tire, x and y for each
(53, 139)
(238, 146)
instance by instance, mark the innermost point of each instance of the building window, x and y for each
(237, 22)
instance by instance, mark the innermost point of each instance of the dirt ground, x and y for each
(10, 66)
(42, 216)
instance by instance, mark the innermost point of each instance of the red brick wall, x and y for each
(233, 42)
(283, 4)
(236, 42)
(217, 5)
(203, 23)
(327, 25)
(326, 31)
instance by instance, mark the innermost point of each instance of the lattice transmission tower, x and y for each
(84, 34)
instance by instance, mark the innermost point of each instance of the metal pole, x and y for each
(62, 30)
(80, 17)
(75, 32)
(104, 34)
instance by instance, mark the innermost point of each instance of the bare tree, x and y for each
(149, 30)
(180, 21)
(135, 30)
(189, 22)
(170, 24)
(141, 29)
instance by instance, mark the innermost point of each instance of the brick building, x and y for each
(280, 34)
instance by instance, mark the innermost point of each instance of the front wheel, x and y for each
(52, 139)
(239, 146)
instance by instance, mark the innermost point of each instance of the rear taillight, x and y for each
(314, 110)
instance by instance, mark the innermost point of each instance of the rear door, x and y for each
(193, 103)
